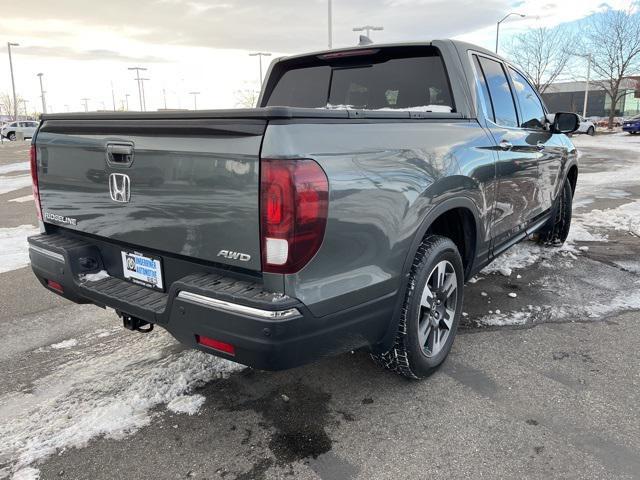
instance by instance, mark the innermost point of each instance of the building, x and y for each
(569, 97)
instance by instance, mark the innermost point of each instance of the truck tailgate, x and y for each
(181, 186)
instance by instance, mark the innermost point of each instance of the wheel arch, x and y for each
(432, 223)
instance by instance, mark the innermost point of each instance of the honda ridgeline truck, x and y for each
(345, 212)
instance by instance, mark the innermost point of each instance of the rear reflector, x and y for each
(55, 286)
(216, 344)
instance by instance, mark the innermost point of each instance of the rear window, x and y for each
(376, 82)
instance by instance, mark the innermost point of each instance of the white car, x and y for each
(27, 127)
(586, 126)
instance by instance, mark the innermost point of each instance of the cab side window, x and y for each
(531, 109)
(504, 109)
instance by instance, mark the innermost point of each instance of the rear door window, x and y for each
(500, 91)
(378, 82)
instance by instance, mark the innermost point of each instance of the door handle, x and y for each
(120, 154)
(540, 146)
(504, 145)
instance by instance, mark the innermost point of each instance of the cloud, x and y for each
(93, 54)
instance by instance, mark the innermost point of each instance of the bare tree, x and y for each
(542, 53)
(6, 103)
(246, 97)
(613, 39)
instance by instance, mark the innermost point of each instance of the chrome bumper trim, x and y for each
(236, 308)
(48, 253)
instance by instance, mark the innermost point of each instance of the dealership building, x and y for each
(569, 97)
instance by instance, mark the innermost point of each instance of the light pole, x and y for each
(140, 94)
(195, 99)
(126, 99)
(26, 110)
(368, 29)
(113, 97)
(86, 103)
(521, 15)
(144, 97)
(260, 55)
(164, 96)
(586, 86)
(330, 24)
(44, 104)
(13, 83)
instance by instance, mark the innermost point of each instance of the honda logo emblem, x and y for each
(119, 187)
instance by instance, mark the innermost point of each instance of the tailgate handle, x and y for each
(120, 154)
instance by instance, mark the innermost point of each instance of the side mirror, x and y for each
(564, 122)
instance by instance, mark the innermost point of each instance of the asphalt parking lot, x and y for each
(542, 382)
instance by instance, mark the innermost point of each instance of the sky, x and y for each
(84, 47)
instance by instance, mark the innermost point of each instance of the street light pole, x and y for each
(13, 83)
(140, 94)
(367, 29)
(503, 19)
(86, 104)
(195, 99)
(260, 55)
(44, 104)
(144, 98)
(330, 24)
(126, 98)
(113, 97)
(586, 87)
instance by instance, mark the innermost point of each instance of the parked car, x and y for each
(586, 126)
(632, 125)
(27, 127)
(345, 212)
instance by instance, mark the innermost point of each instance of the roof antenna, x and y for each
(364, 40)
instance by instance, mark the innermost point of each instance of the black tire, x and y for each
(12, 136)
(408, 357)
(591, 131)
(556, 231)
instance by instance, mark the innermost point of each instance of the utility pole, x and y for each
(330, 24)
(13, 83)
(86, 103)
(113, 97)
(144, 98)
(164, 96)
(138, 79)
(260, 55)
(503, 19)
(44, 104)
(368, 29)
(195, 99)
(126, 99)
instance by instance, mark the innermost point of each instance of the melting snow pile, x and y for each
(14, 252)
(102, 393)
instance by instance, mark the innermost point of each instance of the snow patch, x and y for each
(16, 182)
(72, 342)
(108, 390)
(93, 277)
(26, 198)
(189, 404)
(28, 473)
(14, 167)
(626, 217)
(499, 319)
(14, 250)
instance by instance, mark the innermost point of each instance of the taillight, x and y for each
(34, 180)
(294, 203)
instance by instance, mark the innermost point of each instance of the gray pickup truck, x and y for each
(345, 212)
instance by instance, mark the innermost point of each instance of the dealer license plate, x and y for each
(142, 270)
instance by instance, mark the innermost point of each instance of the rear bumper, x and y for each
(269, 331)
